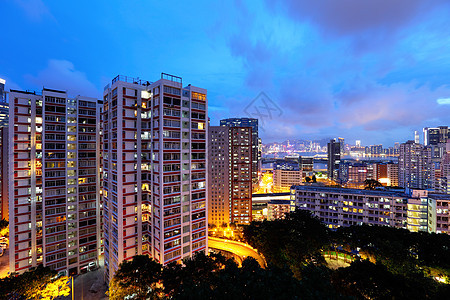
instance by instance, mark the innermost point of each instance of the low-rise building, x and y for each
(285, 175)
(277, 209)
(416, 210)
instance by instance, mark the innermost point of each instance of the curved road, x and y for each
(240, 249)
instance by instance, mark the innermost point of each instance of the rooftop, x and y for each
(392, 193)
(285, 202)
(130, 80)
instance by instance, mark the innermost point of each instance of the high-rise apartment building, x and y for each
(430, 136)
(54, 183)
(306, 165)
(342, 145)
(415, 166)
(4, 106)
(230, 174)
(334, 158)
(219, 175)
(376, 149)
(436, 139)
(436, 135)
(256, 141)
(154, 170)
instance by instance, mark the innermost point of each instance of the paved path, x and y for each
(240, 249)
(85, 284)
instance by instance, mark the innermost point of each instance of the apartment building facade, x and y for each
(334, 158)
(415, 166)
(415, 210)
(154, 170)
(54, 182)
(277, 209)
(285, 175)
(219, 175)
(230, 172)
(255, 141)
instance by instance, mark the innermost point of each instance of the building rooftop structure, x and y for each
(381, 191)
(284, 202)
(286, 166)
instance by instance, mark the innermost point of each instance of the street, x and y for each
(240, 249)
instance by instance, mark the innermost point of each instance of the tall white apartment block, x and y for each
(154, 170)
(54, 181)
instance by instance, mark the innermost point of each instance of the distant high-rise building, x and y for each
(306, 165)
(256, 141)
(444, 134)
(342, 145)
(334, 158)
(54, 183)
(4, 106)
(436, 135)
(154, 170)
(376, 149)
(358, 143)
(230, 174)
(416, 137)
(415, 166)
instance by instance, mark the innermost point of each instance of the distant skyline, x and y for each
(374, 70)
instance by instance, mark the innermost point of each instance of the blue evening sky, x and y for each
(372, 70)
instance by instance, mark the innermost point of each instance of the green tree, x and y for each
(366, 280)
(3, 223)
(39, 283)
(139, 278)
(293, 242)
(198, 272)
(371, 184)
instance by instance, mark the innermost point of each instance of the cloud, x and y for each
(381, 107)
(305, 59)
(347, 17)
(443, 101)
(61, 74)
(36, 10)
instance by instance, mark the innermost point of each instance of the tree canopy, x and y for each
(40, 283)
